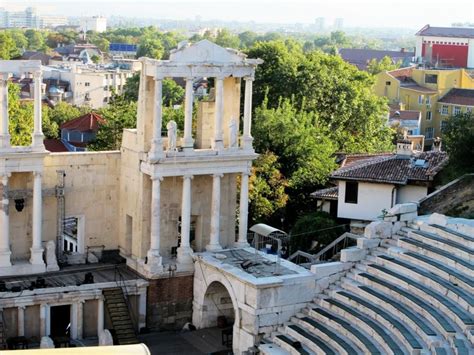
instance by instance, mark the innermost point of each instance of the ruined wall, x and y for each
(455, 199)
(169, 303)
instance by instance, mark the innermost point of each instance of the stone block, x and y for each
(408, 216)
(378, 229)
(389, 218)
(105, 338)
(46, 343)
(353, 254)
(366, 243)
(437, 218)
(396, 226)
(322, 284)
(403, 208)
(326, 269)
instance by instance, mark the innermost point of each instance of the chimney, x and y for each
(404, 146)
(436, 145)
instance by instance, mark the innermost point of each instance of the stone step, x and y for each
(314, 343)
(430, 280)
(449, 233)
(272, 349)
(358, 336)
(442, 322)
(422, 326)
(462, 318)
(437, 254)
(291, 345)
(404, 334)
(332, 338)
(448, 273)
(457, 249)
(375, 329)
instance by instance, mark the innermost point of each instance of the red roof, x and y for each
(55, 146)
(405, 115)
(88, 122)
(463, 97)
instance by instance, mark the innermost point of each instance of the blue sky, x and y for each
(364, 13)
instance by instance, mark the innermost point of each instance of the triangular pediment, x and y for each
(206, 52)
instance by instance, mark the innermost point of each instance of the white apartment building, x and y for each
(95, 23)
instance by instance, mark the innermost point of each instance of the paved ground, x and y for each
(203, 341)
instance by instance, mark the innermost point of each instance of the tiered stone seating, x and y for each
(410, 294)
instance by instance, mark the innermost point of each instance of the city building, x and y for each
(95, 23)
(338, 24)
(445, 47)
(319, 24)
(409, 121)
(123, 50)
(369, 184)
(28, 18)
(419, 89)
(362, 57)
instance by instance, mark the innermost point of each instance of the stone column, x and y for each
(100, 315)
(218, 143)
(36, 248)
(214, 243)
(188, 141)
(45, 321)
(5, 252)
(244, 209)
(74, 320)
(142, 309)
(185, 251)
(4, 133)
(156, 151)
(38, 129)
(154, 261)
(80, 319)
(21, 321)
(247, 139)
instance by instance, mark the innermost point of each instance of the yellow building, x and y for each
(425, 90)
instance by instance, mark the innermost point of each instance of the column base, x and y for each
(213, 247)
(218, 145)
(247, 143)
(4, 141)
(156, 151)
(36, 256)
(187, 143)
(154, 264)
(242, 244)
(185, 255)
(5, 258)
(38, 142)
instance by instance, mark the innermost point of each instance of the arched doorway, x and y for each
(218, 310)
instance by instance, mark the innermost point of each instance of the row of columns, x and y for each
(188, 141)
(36, 256)
(154, 260)
(37, 135)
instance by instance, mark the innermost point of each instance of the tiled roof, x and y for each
(55, 146)
(361, 57)
(408, 83)
(459, 97)
(88, 122)
(355, 159)
(401, 73)
(331, 193)
(404, 115)
(394, 169)
(459, 32)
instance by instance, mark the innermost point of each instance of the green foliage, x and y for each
(8, 48)
(385, 64)
(119, 114)
(266, 188)
(35, 40)
(173, 94)
(171, 113)
(458, 139)
(131, 88)
(313, 227)
(63, 112)
(150, 47)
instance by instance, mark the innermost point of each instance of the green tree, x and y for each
(35, 39)
(385, 64)
(227, 39)
(8, 48)
(267, 187)
(150, 47)
(21, 42)
(247, 39)
(173, 94)
(63, 112)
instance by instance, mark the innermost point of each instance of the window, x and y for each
(429, 131)
(456, 110)
(443, 125)
(388, 83)
(420, 99)
(352, 192)
(87, 84)
(428, 100)
(469, 109)
(70, 235)
(428, 115)
(445, 110)
(431, 79)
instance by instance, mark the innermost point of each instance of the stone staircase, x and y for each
(410, 294)
(124, 330)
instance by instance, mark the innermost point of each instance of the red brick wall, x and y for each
(169, 302)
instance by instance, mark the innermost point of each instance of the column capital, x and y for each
(4, 79)
(189, 78)
(21, 307)
(249, 78)
(4, 178)
(37, 74)
(188, 176)
(159, 77)
(38, 174)
(220, 77)
(219, 175)
(156, 178)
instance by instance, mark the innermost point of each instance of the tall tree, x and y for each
(35, 39)
(8, 48)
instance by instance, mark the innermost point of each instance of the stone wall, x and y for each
(455, 199)
(170, 303)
